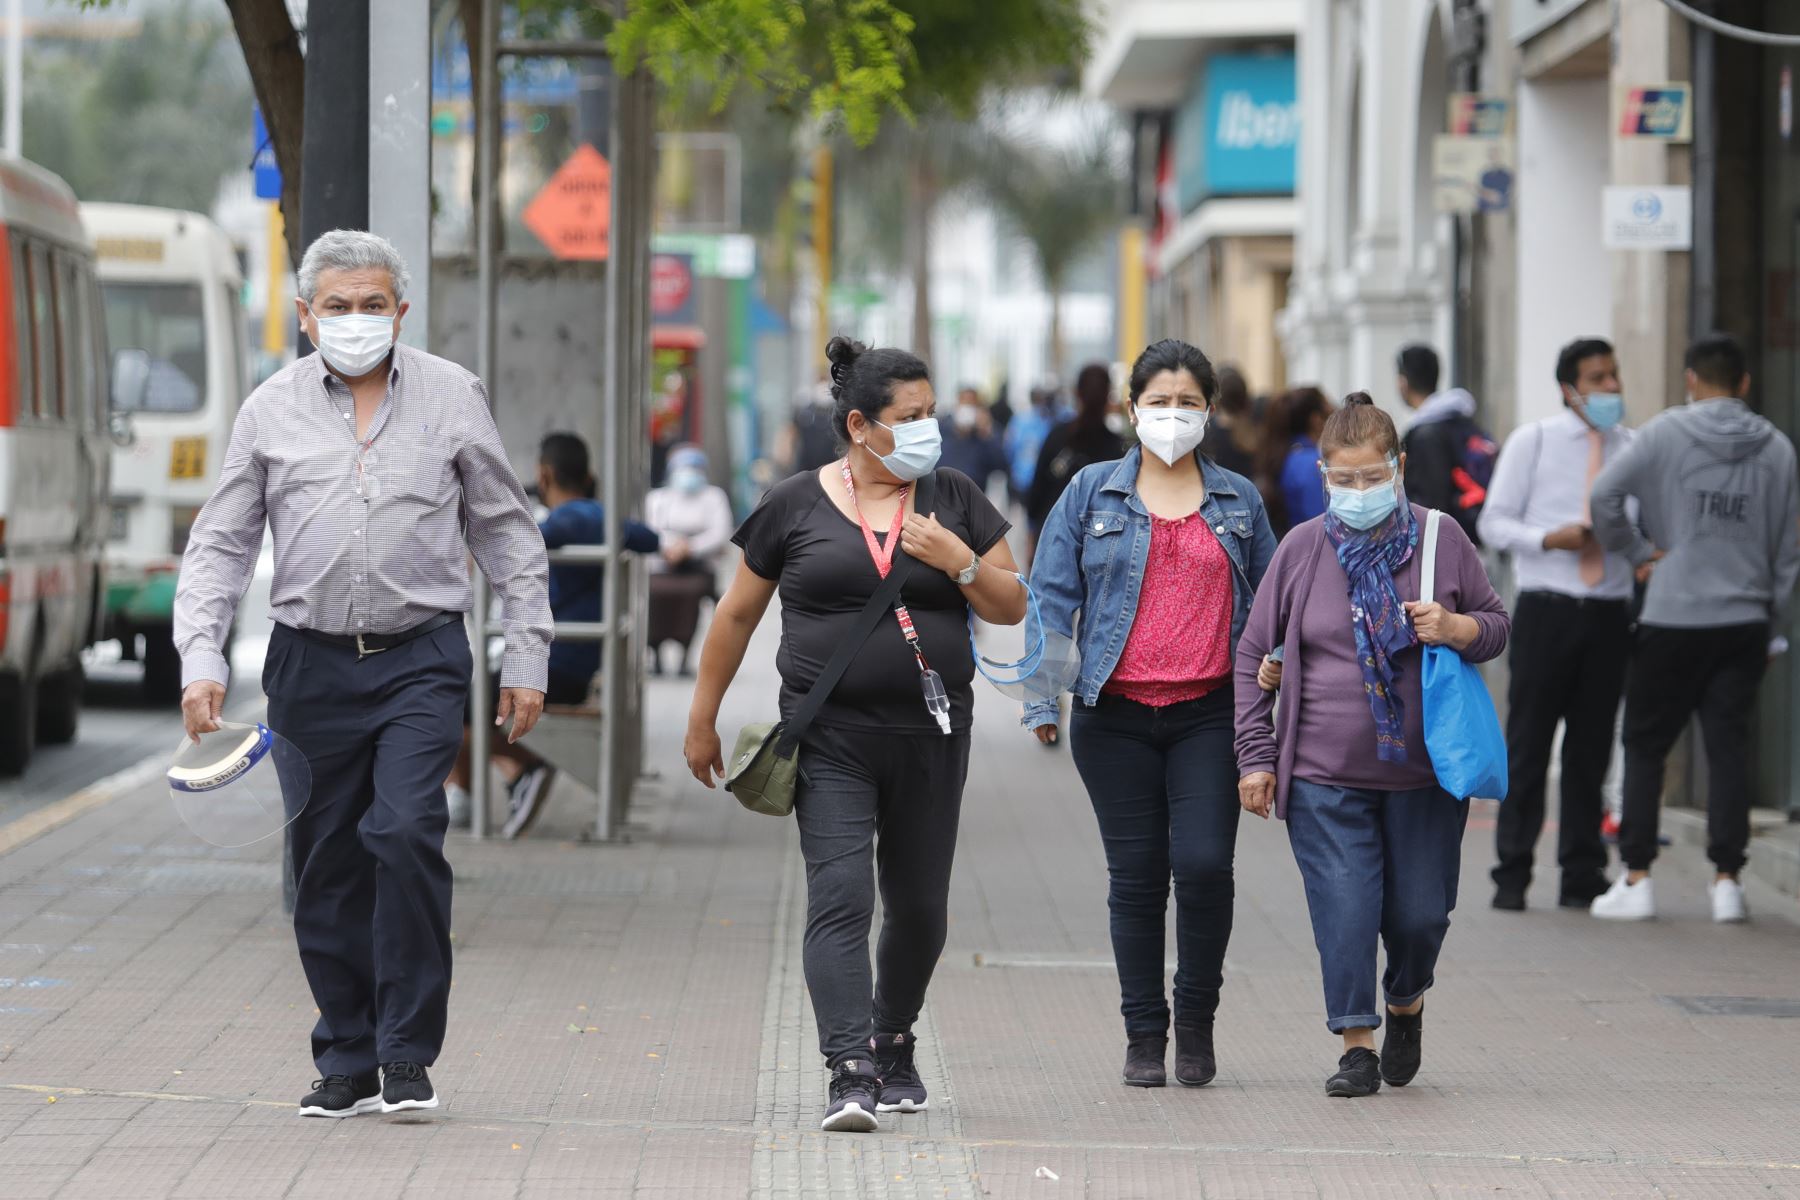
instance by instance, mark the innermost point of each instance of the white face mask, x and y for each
(1171, 433)
(356, 343)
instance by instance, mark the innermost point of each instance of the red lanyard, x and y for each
(937, 701)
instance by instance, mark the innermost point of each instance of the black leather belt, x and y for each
(366, 644)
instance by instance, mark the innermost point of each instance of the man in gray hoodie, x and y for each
(1719, 506)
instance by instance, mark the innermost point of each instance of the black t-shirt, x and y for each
(798, 537)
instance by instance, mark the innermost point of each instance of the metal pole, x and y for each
(13, 140)
(487, 170)
(614, 465)
(400, 147)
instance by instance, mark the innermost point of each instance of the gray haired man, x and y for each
(377, 469)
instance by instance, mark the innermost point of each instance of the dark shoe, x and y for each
(342, 1096)
(1194, 1063)
(405, 1086)
(1144, 1061)
(1358, 1074)
(1400, 1048)
(901, 1088)
(855, 1090)
(526, 798)
(1582, 892)
(1509, 899)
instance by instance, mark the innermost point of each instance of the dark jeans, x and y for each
(1376, 864)
(1163, 782)
(372, 907)
(1674, 673)
(1568, 665)
(875, 810)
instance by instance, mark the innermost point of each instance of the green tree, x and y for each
(159, 119)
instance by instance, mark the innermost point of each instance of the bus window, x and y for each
(22, 335)
(43, 316)
(166, 321)
(68, 341)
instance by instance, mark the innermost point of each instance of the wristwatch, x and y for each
(969, 572)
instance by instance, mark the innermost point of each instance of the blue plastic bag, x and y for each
(1462, 731)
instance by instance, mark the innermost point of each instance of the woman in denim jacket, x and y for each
(1160, 553)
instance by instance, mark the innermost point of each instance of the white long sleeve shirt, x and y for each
(1540, 484)
(702, 519)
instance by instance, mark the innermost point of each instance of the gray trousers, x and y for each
(875, 811)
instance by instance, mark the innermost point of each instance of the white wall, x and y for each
(1565, 274)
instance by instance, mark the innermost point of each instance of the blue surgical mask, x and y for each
(1364, 509)
(1603, 409)
(688, 480)
(917, 445)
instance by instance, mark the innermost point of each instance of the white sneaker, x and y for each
(1626, 901)
(1728, 901)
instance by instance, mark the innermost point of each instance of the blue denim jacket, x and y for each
(1090, 559)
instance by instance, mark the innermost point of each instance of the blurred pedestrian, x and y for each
(881, 768)
(565, 485)
(1081, 441)
(970, 443)
(1718, 513)
(1451, 455)
(1571, 625)
(1231, 433)
(692, 520)
(1343, 760)
(1025, 437)
(1288, 458)
(378, 470)
(1160, 554)
(808, 442)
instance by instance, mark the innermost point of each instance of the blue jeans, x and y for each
(1163, 782)
(1376, 864)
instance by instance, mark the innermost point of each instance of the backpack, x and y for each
(1474, 454)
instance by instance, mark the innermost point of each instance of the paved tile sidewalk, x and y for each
(631, 1020)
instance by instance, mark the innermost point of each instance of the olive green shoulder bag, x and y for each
(765, 763)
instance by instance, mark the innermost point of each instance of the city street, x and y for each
(631, 1020)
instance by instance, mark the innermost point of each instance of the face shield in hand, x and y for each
(239, 784)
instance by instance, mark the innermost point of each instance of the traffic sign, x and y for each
(265, 170)
(672, 289)
(572, 213)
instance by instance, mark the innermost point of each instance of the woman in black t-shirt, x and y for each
(876, 760)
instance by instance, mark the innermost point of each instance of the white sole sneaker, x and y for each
(367, 1105)
(409, 1105)
(905, 1106)
(1728, 907)
(852, 1118)
(1625, 902)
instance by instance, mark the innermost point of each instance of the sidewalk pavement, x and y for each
(630, 1020)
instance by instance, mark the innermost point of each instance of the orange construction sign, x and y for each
(572, 214)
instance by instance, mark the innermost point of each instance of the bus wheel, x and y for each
(18, 724)
(59, 706)
(162, 666)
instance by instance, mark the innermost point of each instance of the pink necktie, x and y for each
(1593, 556)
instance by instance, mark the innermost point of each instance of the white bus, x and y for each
(173, 292)
(54, 444)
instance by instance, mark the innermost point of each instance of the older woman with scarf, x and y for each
(1378, 842)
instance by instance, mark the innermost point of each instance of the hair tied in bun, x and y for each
(1355, 398)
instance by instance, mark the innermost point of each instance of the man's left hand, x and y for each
(524, 706)
(932, 544)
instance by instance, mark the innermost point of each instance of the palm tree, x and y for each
(1060, 199)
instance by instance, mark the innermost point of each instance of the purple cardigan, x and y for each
(1462, 587)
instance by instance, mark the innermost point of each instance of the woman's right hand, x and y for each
(1256, 792)
(1046, 734)
(1268, 674)
(705, 757)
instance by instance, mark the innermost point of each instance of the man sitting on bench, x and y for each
(565, 487)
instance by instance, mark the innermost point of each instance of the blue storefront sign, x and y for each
(264, 169)
(1238, 132)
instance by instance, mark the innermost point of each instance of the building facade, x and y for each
(1211, 90)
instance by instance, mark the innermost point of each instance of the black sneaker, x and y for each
(342, 1096)
(1400, 1048)
(1195, 1065)
(855, 1089)
(1358, 1074)
(901, 1088)
(526, 798)
(1144, 1056)
(1509, 899)
(1581, 892)
(405, 1086)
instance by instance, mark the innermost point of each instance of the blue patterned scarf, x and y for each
(1370, 560)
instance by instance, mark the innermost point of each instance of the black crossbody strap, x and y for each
(866, 620)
